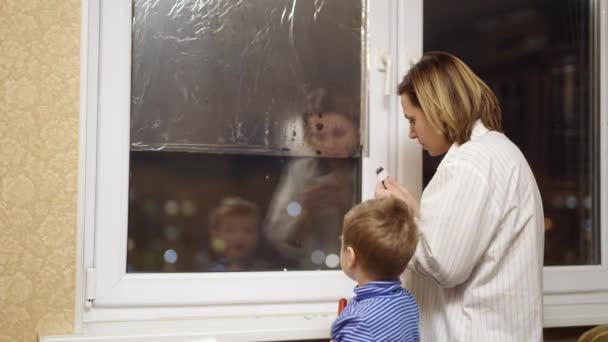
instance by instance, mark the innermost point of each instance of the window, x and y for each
(197, 108)
(540, 59)
(543, 59)
(192, 106)
(245, 134)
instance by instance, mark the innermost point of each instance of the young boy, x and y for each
(379, 237)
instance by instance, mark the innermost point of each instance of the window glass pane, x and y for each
(245, 143)
(539, 58)
(236, 75)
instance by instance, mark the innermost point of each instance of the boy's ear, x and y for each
(351, 257)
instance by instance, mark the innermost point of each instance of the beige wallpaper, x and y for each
(39, 85)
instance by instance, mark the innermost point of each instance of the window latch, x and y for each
(91, 280)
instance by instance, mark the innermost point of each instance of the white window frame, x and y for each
(183, 307)
(578, 295)
(234, 306)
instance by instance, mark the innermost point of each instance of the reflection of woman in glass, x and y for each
(305, 216)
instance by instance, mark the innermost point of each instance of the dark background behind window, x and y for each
(535, 55)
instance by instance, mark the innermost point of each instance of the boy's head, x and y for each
(379, 237)
(233, 228)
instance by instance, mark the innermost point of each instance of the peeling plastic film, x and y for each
(244, 77)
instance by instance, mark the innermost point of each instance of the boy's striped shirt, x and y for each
(380, 311)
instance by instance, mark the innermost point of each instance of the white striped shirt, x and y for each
(381, 311)
(477, 270)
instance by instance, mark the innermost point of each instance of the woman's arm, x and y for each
(279, 226)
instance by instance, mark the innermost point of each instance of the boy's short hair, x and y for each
(233, 206)
(383, 234)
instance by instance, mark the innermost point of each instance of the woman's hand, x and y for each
(393, 188)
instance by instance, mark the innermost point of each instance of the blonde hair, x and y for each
(232, 206)
(451, 96)
(383, 234)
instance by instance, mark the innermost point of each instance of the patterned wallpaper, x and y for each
(39, 85)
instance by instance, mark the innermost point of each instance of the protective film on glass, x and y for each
(245, 133)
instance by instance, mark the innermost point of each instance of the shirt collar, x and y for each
(377, 288)
(478, 130)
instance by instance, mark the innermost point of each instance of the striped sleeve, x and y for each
(457, 223)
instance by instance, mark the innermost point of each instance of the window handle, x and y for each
(385, 66)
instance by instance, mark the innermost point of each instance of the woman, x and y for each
(477, 270)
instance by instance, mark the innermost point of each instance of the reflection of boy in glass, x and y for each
(233, 236)
(305, 216)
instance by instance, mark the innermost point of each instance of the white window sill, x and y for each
(560, 311)
(211, 330)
